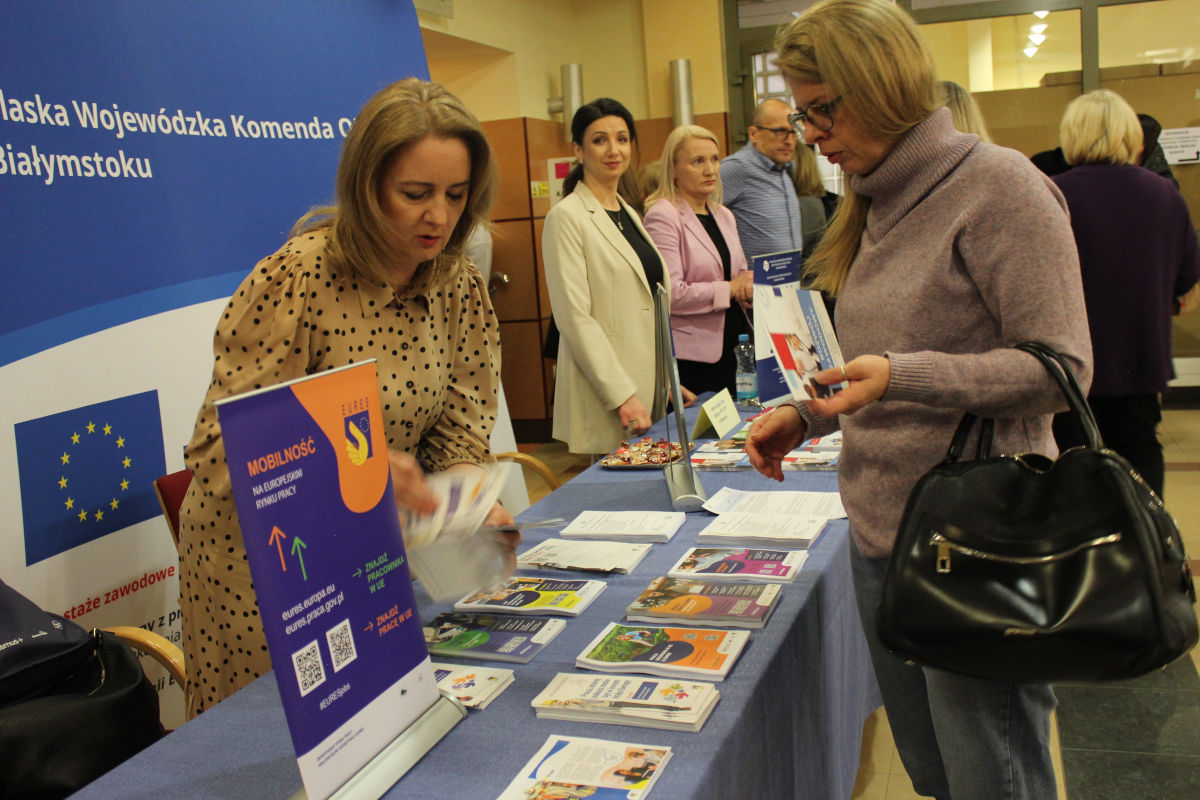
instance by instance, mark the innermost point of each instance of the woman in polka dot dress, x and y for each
(379, 275)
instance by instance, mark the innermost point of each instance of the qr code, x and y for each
(310, 672)
(341, 645)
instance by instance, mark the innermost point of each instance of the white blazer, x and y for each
(604, 309)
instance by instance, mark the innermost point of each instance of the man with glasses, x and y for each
(757, 184)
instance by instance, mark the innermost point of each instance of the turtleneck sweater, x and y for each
(967, 251)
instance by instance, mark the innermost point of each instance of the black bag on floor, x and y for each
(1025, 569)
(73, 704)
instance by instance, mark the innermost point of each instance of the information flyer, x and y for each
(308, 462)
(772, 272)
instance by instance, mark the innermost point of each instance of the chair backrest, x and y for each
(170, 490)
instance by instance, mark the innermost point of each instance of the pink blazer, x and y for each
(699, 291)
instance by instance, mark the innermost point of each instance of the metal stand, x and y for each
(683, 482)
(381, 773)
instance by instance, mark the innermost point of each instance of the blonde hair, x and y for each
(667, 190)
(871, 53)
(1100, 127)
(394, 119)
(806, 174)
(963, 109)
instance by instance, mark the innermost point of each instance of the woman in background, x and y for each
(817, 204)
(601, 272)
(933, 291)
(964, 111)
(380, 275)
(697, 236)
(1138, 255)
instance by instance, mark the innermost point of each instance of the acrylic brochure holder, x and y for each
(383, 771)
(687, 494)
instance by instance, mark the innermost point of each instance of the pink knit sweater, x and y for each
(967, 251)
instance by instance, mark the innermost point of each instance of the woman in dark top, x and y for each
(697, 236)
(1137, 255)
(601, 273)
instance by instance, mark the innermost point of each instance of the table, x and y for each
(788, 724)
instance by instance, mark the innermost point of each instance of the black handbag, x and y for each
(1021, 568)
(73, 705)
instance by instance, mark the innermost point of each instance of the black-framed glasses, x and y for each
(819, 115)
(780, 133)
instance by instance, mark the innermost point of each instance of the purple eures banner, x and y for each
(309, 466)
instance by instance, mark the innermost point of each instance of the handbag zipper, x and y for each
(944, 546)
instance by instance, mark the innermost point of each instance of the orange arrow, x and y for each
(370, 625)
(277, 537)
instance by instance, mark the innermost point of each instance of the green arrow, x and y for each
(357, 572)
(297, 550)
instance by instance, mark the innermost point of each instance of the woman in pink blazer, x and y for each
(697, 236)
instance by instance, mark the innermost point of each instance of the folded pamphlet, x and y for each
(640, 700)
(572, 768)
(703, 653)
(492, 637)
(520, 595)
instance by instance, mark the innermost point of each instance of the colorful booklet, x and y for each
(625, 526)
(495, 637)
(700, 602)
(572, 768)
(474, 686)
(646, 702)
(584, 556)
(740, 564)
(521, 595)
(750, 529)
(671, 652)
(802, 340)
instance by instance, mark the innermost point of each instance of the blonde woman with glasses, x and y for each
(936, 277)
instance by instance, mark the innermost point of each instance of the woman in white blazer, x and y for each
(698, 239)
(601, 272)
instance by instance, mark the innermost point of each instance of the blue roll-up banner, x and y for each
(150, 154)
(309, 467)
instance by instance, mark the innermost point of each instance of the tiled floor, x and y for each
(1134, 740)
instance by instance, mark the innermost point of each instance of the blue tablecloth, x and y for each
(788, 724)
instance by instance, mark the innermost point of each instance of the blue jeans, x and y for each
(959, 738)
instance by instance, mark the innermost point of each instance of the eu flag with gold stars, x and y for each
(88, 472)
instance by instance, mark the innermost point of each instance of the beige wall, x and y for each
(503, 57)
(688, 29)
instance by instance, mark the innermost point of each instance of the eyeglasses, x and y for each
(780, 133)
(819, 115)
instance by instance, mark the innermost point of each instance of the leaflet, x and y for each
(812, 504)
(571, 767)
(534, 596)
(740, 564)
(749, 529)
(628, 526)
(474, 686)
(584, 556)
(643, 701)
(704, 653)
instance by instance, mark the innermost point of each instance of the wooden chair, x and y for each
(153, 645)
(170, 490)
(534, 463)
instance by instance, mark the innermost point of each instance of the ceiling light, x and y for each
(1041, 14)
(1037, 38)
(1038, 28)
(1170, 51)
(1029, 51)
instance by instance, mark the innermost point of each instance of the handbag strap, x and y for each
(1057, 366)
(983, 448)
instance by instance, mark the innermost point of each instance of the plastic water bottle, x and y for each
(746, 378)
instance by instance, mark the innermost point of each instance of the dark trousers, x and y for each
(1128, 424)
